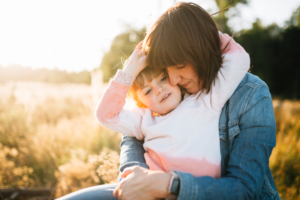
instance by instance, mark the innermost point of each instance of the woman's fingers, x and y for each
(126, 172)
(117, 190)
(141, 183)
(129, 170)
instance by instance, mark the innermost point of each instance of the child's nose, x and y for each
(159, 90)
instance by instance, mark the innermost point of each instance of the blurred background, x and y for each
(57, 56)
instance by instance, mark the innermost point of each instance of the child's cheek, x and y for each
(153, 104)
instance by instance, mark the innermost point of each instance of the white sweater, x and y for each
(186, 139)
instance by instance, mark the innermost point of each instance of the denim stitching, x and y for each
(250, 93)
(235, 134)
(233, 123)
(261, 196)
(225, 140)
(268, 184)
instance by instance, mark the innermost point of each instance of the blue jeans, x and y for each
(99, 192)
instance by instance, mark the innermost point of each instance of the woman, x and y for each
(246, 125)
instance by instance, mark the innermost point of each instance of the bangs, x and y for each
(168, 44)
(185, 34)
(163, 52)
(147, 74)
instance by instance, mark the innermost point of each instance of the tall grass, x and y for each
(285, 159)
(49, 137)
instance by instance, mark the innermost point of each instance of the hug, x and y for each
(202, 127)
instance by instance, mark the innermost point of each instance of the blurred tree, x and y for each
(295, 18)
(274, 54)
(221, 18)
(262, 44)
(121, 48)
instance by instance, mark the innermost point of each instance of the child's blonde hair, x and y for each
(147, 74)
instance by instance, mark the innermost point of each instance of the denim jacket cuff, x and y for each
(188, 187)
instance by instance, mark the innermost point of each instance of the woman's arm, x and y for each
(249, 156)
(248, 160)
(132, 153)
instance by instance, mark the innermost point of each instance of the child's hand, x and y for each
(137, 61)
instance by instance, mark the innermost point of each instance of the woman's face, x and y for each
(186, 76)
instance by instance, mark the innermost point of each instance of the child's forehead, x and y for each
(148, 79)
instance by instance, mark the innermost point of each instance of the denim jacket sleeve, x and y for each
(251, 145)
(132, 153)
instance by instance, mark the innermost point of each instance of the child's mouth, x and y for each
(165, 97)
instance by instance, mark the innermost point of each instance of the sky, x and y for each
(74, 35)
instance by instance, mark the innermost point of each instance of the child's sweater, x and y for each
(186, 139)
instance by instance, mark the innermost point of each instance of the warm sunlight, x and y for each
(74, 35)
(70, 93)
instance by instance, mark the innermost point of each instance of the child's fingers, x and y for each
(139, 46)
(137, 49)
(141, 52)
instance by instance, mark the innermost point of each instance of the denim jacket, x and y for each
(247, 137)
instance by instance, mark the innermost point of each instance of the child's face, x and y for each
(159, 95)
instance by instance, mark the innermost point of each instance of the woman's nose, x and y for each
(174, 77)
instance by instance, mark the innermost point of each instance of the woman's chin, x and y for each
(192, 90)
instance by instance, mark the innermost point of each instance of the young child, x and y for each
(179, 133)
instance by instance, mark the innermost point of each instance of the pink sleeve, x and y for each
(232, 45)
(111, 114)
(112, 101)
(236, 63)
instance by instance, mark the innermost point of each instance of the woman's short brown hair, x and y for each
(185, 34)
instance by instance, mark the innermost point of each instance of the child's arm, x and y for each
(236, 63)
(110, 112)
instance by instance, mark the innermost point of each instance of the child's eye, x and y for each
(148, 91)
(163, 78)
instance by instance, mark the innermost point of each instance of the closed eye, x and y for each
(180, 66)
(148, 91)
(163, 78)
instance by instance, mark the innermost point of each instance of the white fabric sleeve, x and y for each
(236, 63)
(110, 111)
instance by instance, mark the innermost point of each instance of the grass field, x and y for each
(49, 137)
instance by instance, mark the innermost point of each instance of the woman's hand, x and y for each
(137, 61)
(141, 183)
